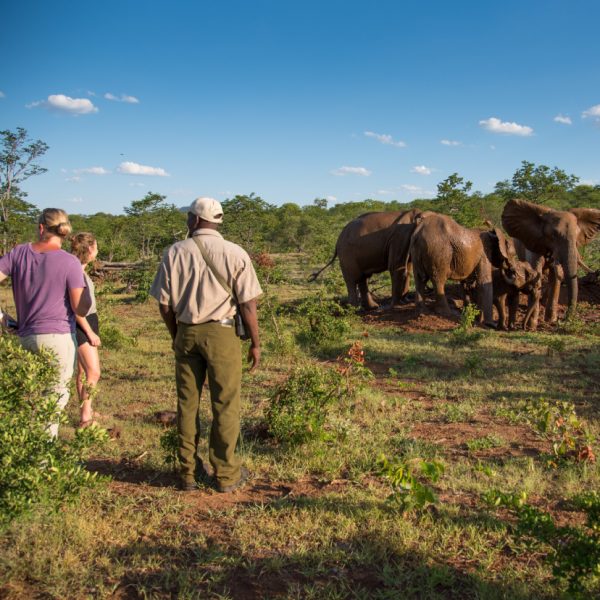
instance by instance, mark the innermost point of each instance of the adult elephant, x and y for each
(372, 243)
(554, 235)
(441, 249)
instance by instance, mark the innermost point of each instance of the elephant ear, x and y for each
(524, 220)
(504, 245)
(588, 220)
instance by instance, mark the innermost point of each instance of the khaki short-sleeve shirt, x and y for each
(186, 284)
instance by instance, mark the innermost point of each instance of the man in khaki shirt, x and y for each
(198, 312)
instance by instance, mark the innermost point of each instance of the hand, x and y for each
(253, 358)
(94, 339)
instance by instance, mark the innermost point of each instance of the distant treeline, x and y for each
(151, 224)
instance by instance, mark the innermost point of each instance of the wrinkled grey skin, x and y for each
(441, 249)
(553, 238)
(373, 243)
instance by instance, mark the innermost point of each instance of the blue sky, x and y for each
(297, 100)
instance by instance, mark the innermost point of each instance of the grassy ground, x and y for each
(314, 521)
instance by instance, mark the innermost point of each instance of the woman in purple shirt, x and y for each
(48, 287)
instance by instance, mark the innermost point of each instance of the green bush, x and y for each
(463, 334)
(34, 467)
(322, 322)
(299, 406)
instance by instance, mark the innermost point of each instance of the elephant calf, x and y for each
(508, 284)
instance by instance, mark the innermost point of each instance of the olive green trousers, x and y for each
(214, 350)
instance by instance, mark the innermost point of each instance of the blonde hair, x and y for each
(81, 245)
(56, 222)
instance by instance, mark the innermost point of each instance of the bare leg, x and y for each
(88, 366)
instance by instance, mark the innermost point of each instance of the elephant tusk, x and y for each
(584, 266)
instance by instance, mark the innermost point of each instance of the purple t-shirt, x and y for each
(41, 282)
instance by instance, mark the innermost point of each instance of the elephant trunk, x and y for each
(568, 257)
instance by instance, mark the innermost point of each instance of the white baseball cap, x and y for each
(208, 209)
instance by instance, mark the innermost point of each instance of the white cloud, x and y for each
(74, 179)
(76, 200)
(131, 168)
(122, 98)
(331, 198)
(421, 170)
(92, 171)
(565, 120)
(352, 171)
(497, 126)
(62, 103)
(384, 138)
(416, 190)
(2, 94)
(592, 111)
(450, 143)
(385, 192)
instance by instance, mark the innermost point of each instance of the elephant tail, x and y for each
(314, 275)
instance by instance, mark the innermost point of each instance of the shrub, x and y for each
(322, 322)
(463, 334)
(35, 467)
(299, 406)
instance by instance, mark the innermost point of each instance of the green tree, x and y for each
(22, 223)
(453, 194)
(249, 221)
(18, 156)
(153, 224)
(538, 184)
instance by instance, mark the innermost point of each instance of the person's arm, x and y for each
(80, 302)
(168, 316)
(248, 310)
(3, 276)
(85, 326)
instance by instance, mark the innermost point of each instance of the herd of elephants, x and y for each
(544, 248)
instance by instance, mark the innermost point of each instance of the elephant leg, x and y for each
(500, 304)
(420, 288)
(533, 311)
(441, 303)
(367, 301)
(485, 292)
(400, 284)
(513, 308)
(551, 313)
(352, 289)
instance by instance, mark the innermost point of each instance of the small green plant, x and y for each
(169, 443)
(474, 364)
(572, 550)
(464, 333)
(299, 406)
(555, 345)
(485, 442)
(36, 468)
(408, 491)
(558, 423)
(458, 413)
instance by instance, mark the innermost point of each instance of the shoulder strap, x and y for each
(211, 266)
